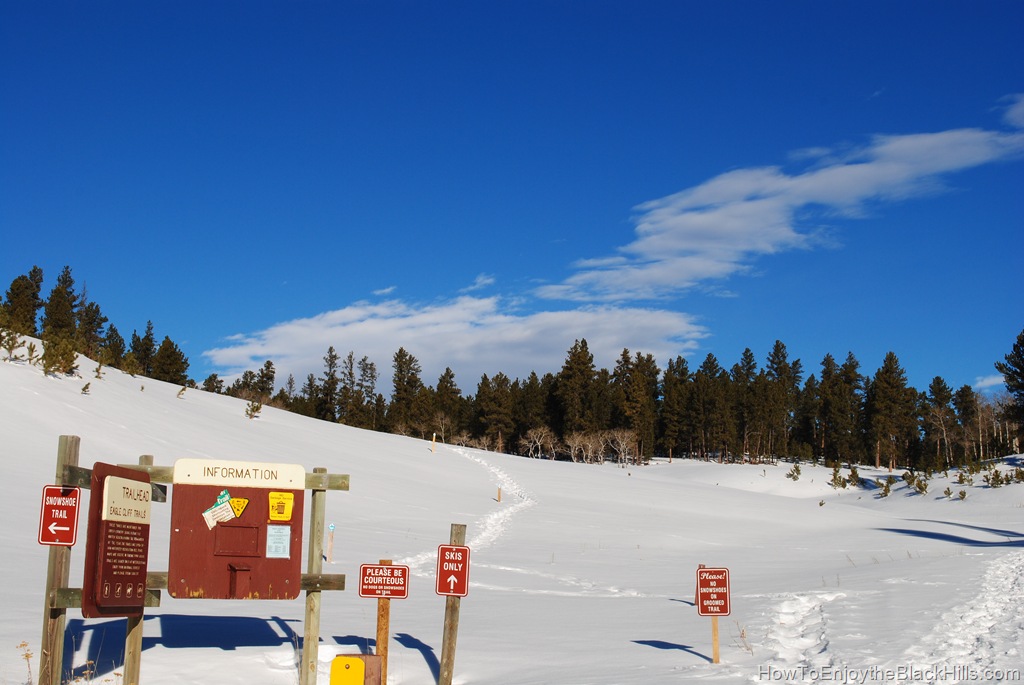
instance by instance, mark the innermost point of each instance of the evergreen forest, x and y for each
(835, 413)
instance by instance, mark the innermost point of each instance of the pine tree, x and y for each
(406, 386)
(373, 413)
(1012, 369)
(265, 379)
(675, 387)
(327, 398)
(449, 405)
(23, 302)
(840, 409)
(113, 350)
(891, 412)
(642, 402)
(214, 384)
(143, 349)
(709, 408)
(60, 310)
(783, 388)
(169, 363)
(939, 423)
(89, 327)
(494, 409)
(742, 376)
(574, 390)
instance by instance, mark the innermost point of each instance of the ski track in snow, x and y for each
(967, 644)
(491, 527)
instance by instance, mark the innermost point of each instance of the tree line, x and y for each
(630, 413)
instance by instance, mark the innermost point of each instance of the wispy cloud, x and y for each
(471, 335)
(482, 281)
(1014, 114)
(989, 382)
(691, 240)
(714, 230)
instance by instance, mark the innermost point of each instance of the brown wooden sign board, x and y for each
(117, 543)
(236, 531)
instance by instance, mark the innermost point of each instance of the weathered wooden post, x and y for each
(58, 571)
(133, 635)
(451, 617)
(314, 566)
(383, 630)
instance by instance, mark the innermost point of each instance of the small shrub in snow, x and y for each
(794, 473)
(838, 481)
(252, 411)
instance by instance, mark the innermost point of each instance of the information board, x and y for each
(236, 530)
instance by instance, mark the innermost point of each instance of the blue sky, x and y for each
(483, 183)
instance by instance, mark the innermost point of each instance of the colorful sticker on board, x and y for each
(281, 505)
(238, 505)
(221, 511)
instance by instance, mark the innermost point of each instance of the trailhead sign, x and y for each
(117, 551)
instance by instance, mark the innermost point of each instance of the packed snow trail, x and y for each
(976, 641)
(491, 527)
(981, 639)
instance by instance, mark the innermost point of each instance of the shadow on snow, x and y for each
(98, 646)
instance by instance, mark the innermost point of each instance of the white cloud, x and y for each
(482, 281)
(1014, 115)
(471, 335)
(712, 231)
(986, 382)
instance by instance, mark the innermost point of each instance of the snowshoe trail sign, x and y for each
(58, 515)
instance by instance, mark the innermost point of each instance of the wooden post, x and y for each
(499, 495)
(58, 571)
(133, 635)
(314, 565)
(330, 544)
(383, 630)
(451, 618)
(714, 641)
(433, 442)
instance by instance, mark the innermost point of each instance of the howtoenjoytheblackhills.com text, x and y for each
(845, 675)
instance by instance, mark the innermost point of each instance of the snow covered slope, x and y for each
(580, 574)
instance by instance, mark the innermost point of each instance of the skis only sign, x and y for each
(453, 570)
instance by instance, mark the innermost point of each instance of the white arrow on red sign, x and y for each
(58, 515)
(452, 570)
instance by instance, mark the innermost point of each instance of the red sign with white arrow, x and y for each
(453, 570)
(58, 515)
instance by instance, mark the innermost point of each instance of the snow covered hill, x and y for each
(580, 574)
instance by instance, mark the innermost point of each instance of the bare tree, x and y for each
(539, 441)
